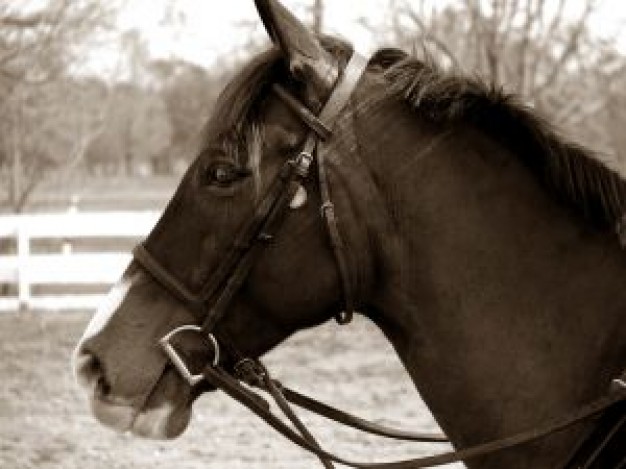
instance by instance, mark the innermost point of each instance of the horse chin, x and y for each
(163, 423)
(163, 415)
(167, 411)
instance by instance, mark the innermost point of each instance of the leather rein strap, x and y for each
(257, 375)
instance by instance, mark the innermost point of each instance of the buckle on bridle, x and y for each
(303, 162)
(250, 372)
(176, 359)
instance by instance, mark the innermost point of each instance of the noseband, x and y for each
(212, 301)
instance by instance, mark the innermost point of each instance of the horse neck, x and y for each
(505, 309)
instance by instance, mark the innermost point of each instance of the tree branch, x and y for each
(429, 36)
(569, 49)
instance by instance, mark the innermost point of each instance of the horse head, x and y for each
(294, 282)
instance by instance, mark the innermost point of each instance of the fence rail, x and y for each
(25, 269)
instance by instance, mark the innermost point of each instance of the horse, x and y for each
(484, 245)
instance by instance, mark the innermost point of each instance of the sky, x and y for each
(202, 30)
(206, 29)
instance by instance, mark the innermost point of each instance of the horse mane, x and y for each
(575, 175)
(237, 107)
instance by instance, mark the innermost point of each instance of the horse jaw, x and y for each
(131, 388)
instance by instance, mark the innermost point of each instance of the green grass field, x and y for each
(45, 422)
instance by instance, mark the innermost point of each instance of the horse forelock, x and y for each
(236, 108)
(575, 175)
(235, 120)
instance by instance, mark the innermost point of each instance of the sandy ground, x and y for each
(45, 422)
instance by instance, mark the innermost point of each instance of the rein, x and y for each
(257, 375)
(211, 303)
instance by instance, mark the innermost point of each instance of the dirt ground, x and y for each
(45, 422)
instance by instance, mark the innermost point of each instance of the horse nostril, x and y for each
(103, 388)
(88, 370)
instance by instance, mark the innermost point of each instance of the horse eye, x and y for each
(224, 174)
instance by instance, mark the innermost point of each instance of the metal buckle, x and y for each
(250, 372)
(176, 359)
(303, 163)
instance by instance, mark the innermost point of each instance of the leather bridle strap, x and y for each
(231, 386)
(174, 286)
(294, 173)
(321, 126)
(232, 271)
(327, 210)
(249, 253)
(310, 119)
(256, 231)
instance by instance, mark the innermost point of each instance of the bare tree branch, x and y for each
(35, 51)
(429, 36)
(569, 49)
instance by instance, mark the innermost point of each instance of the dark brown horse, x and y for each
(482, 245)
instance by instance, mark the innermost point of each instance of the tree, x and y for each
(533, 48)
(189, 93)
(48, 127)
(614, 81)
(519, 44)
(317, 13)
(135, 132)
(38, 44)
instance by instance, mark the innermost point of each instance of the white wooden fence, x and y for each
(24, 269)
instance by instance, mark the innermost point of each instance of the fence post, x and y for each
(23, 253)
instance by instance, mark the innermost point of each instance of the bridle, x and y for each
(211, 302)
(214, 297)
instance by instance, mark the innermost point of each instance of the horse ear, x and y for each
(308, 61)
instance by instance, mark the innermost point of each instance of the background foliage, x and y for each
(60, 123)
